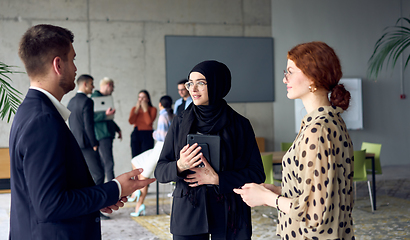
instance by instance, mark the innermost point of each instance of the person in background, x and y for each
(105, 128)
(148, 159)
(142, 116)
(315, 200)
(81, 122)
(182, 103)
(204, 203)
(52, 191)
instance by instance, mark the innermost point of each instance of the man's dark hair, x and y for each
(83, 78)
(41, 44)
(183, 81)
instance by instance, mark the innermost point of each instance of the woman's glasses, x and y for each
(288, 73)
(200, 85)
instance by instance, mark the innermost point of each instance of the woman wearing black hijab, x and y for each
(203, 201)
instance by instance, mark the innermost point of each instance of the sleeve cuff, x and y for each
(119, 187)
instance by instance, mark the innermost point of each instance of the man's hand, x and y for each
(130, 183)
(110, 111)
(119, 135)
(115, 207)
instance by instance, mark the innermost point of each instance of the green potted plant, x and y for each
(10, 98)
(390, 47)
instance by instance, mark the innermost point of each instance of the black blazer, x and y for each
(240, 163)
(53, 195)
(81, 120)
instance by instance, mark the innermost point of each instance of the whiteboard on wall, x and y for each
(353, 116)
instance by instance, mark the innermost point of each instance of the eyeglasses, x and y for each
(289, 73)
(200, 85)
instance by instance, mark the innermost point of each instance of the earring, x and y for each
(312, 89)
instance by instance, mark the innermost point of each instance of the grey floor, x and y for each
(121, 226)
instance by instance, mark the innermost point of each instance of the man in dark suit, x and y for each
(53, 195)
(81, 123)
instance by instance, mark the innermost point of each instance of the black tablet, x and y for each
(210, 145)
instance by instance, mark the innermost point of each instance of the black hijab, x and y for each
(213, 117)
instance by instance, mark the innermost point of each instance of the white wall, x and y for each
(124, 40)
(351, 28)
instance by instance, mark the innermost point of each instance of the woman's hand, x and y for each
(273, 188)
(205, 175)
(255, 194)
(137, 106)
(144, 105)
(189, 157)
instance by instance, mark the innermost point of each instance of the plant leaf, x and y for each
(389, 47)
(10, 97)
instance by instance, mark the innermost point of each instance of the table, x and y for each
(277, 160)
(4, 170)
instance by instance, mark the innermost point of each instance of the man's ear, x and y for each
(57, 65)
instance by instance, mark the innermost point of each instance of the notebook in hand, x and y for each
(101, 104)
(210, 145)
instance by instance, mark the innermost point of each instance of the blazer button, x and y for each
(97, 219)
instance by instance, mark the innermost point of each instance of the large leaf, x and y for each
(10, 98)
(389, 48)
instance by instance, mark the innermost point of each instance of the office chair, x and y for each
(284, 146)
(373, 148)
(360, 173)
(267, 167)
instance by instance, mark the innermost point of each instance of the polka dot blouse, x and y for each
(317, 176)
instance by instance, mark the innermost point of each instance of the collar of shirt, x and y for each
(321, 111)
(163, 111)
(64, 112)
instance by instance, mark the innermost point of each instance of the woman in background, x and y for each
(315, 200)
(148, 159)
(203, 200)
(142, 116)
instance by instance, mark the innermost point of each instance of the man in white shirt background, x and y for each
(182, 103)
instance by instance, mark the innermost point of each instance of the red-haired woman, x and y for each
(315, 200)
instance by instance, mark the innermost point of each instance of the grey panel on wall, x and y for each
(250, 60)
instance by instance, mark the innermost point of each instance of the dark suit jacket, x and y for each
(81, 120)
(52, 193)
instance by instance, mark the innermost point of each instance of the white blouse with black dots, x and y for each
(317, 176)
